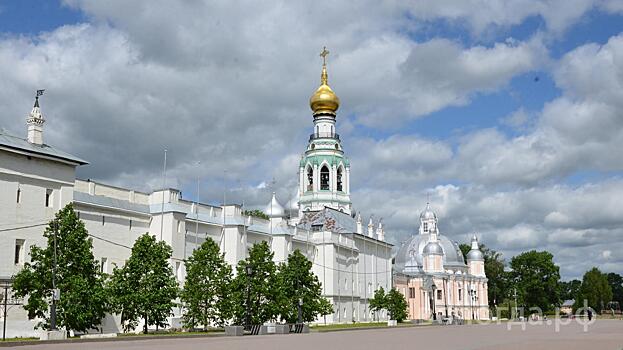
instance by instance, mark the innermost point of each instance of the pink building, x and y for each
(436, 281)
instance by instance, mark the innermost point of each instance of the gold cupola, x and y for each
(324, 100)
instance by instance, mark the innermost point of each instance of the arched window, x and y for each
(310, 179)
(324, 178)
(339, 179)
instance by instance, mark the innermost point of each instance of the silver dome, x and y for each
(428, 213)
(432, 248)
(411, 253)
(475, 255)
(274, 209)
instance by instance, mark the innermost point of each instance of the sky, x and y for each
(508, 115)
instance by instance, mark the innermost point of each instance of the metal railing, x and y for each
(324, 135)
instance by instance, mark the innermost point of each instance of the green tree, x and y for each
(145, 286)
(296, 282)
(498, 280)
(206, 290)
(595, 290)
(83, 302)
(536, 278)
(616, 284)
(569, 290)
(394, 302)
(256, 213)
(258, 286)
(378, 302)
(396, 305)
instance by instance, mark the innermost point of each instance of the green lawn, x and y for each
(18, 339)
(330, 327)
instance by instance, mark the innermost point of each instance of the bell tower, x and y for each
(324, 171)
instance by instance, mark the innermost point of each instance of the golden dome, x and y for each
(324, 100)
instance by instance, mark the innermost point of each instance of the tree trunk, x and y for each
(145, 325)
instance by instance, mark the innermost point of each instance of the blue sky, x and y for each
(506, 112)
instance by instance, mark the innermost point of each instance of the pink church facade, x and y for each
(436, 280)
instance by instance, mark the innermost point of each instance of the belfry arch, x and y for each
(325, 178)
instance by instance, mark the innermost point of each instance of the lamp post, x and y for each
(434, 288)
(471, 300)
(300, 311)
(515, 291)
(445, 294)
(249, 271)
(55, 291)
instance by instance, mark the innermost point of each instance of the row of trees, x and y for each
(146, 289)
(534, 279)
(596, 287)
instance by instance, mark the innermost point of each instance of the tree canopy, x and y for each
(256, 213)
(394, 302)
(297, 283)
(83, 302)
(569, 290)
(536, 278)
(207, 287)
(145, 286)
(616, 284)
(257, 285)
(595, 290)
(498, 279)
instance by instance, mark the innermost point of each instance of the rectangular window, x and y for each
(411, 292)
(48, 198)
(19, 251)
(438, 294)
(426, 227)
(178, 270)
(104, 265)
(460, 295)
(19, 195)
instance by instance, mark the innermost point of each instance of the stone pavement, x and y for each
(603, 334)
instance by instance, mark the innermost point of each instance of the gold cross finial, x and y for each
(324, 54)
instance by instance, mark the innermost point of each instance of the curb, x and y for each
(9, 343)
(367, 328)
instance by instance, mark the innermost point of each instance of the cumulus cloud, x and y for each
(487, 15)
(511, 188)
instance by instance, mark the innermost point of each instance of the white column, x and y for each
(302, 180)
(347, 180)
(316, 179)
(333, 178)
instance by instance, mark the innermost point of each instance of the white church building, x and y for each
(37, 180)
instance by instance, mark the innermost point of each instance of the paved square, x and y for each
(604, 334)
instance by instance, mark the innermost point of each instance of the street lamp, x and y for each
(300, 311)
(445, 295)
(472, 293)
(55, 291)
(434, 288)
(249, 272)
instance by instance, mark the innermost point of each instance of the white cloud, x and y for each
(486, 15)
(229, 85)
